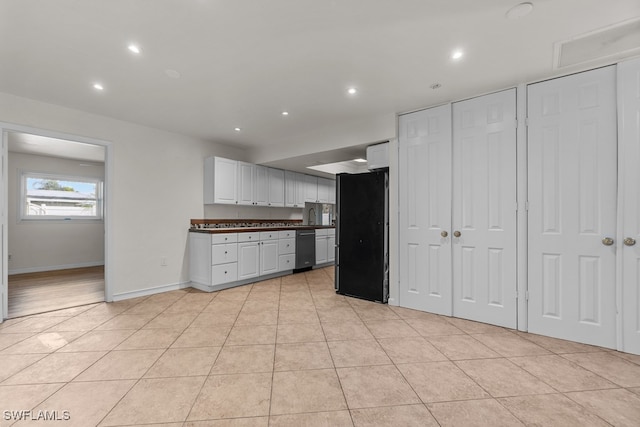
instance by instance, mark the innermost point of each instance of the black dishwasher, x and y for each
(305, 249)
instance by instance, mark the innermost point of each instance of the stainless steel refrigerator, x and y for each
(362, 235)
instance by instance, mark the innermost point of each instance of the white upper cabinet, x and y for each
(332, 191)
(220, 180)
(310, 189)
(323, 190)
(261, 186)
(294, 189)
(246, 183)
(276, 187)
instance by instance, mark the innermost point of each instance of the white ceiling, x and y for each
(242, 63)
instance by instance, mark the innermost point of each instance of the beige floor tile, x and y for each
(290, 333)
(358, 353)
(105, 308)
(208, 319)
(508, 344)
(406, 416)
(410, 350)
(371, 386)
(346, 331)
(316, 419)
(391, 328)
(231, 422)
(337, 314)
(618, 407)
(486, 412)
(223, 307)
(233, 396)
(635, 390)
(298, 316)
(190, 303)
(634, 358)
(553, 410)
(203, 337)
(471, 327)
(86, 403)
(121, 365)
(440, 382)
(297, 356)
(150, 339)
(559, 346)
(11, 364)
(156, 400)
(253, 334)
(258, 317)
(23, 397)
(171, 321)
(184, 362)
(260, 305)
(126, 321)
(32, 324)
(428, 327)
(268, 295)
(12, 322)
(306, 391)
(502, 378)
(376, 312)
(56, 368)
(84, 323)
(148, 307)
(562, 374)
(97, 341)
(244, 359)
(46, 342)
(461, 347)
(7, 340)
(609, 366)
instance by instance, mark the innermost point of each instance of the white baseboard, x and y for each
(54, 267)
(150, 291)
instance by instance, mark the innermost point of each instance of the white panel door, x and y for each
(572, 151)
(248, 260)
(261, 186)
(425, 210)
(321, 249)
(268, 257)
(629, 122)
(276, 187)
(245, 183)
(484, 209)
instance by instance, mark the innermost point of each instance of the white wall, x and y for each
(156, 189)
(45, 245)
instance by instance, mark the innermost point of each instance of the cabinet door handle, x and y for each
(607, 241)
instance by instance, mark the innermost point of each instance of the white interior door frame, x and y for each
(521, 199)
(5, 128)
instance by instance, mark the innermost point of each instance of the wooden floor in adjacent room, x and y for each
(33, 293)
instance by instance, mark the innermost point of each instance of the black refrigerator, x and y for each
(362, 235)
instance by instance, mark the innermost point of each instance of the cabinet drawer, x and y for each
(322, 232)
(224, 273)
(224, 238)
(268, 235)
(287, 246)
(286, 262)
(286, 234)
(248, 237)
(223, 254)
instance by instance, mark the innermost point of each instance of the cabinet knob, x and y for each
(457, 233)
(225, 252)
(607, 241)
(444, 233)
(629, 241)
(225, 272)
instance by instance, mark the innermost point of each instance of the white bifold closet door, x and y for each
(572, 166)
(461, 182)
(629, 232)
(484, 209)
(425, 210)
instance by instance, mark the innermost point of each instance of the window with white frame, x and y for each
(50, 196)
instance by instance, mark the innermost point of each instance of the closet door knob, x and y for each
(608, 241)
(457, 233)
(629, 241)
(444, 233)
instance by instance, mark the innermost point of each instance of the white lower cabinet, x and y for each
(248, 255)
(325, 246)
(268, 252)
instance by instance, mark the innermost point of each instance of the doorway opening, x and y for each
(55, 222)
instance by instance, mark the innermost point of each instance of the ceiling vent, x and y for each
(614, 41)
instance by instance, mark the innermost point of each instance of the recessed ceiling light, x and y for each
(457, 54)
(360, 160)
(352, 91)
(172, 74)
(520, 10)
(134, 48)
(237, 129)
(436, 86)
(98, 86)
(285, 113)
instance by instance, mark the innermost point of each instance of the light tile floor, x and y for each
(290, 352)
